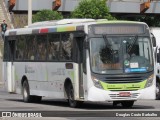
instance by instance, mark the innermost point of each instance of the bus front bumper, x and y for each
(96, 94)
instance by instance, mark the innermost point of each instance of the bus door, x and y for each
(10, 66)
(79, 59)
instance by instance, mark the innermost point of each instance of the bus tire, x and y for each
(70, 93)
(127, 104)
(36, 99)
(157, 91)
(26, 93)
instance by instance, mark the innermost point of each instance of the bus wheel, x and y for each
(37, 99)
(72, 102)
(157, 91)
(127, 104)
(25, 91)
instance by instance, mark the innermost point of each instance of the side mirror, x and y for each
(153, 40)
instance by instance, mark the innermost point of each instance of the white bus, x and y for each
(156, 32)
(81, 60)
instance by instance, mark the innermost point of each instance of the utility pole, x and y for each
(29, 12)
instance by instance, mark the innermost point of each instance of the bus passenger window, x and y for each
(30, 48)
(20, 47)
(41, 44)
(66, 50)
(53, 46)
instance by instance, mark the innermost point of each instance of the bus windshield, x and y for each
(121, 54)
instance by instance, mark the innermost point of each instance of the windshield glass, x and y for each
(119, 54)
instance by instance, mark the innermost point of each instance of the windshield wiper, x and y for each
(107, 43)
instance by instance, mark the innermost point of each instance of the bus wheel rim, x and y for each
(157, 90)
(25, 93)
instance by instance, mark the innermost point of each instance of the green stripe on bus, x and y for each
(127, 86)
(16, 76)
(68, 28)
(72, 75)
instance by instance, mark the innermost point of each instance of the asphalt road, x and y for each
(59, 109)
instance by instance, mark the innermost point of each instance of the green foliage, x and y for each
(153, 21)
(95, 9)
(46, 15)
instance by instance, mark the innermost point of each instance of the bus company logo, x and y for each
(6, 114)
(58, 71)
(21, 114)
(29, 69)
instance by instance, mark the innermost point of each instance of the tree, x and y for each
(45, 15)
(95, 9)
(153, 21)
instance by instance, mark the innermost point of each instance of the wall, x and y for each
(115, 6)
(22, 5)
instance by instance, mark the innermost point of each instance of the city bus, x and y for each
(81, 60)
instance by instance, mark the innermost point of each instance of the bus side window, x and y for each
(6, 49)
(53, 47)
(30, 48)
(42, 49)
(20, 47)
(67, 46)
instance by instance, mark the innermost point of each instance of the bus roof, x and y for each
(60, 22)
(62, 25)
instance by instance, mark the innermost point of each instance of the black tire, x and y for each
(72, 102)
(26, 93)
(127, 104)
(36, 99)
(157, 91)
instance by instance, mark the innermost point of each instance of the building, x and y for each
(115, 6)
(123, 8)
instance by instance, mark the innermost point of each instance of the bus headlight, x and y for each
(149, 81)
(96, 82)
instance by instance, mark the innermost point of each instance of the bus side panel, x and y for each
(75, 80)
(4, 77)
(50, 79)
(18, 74)
(24, 69)
(46, 79)
(10, 77)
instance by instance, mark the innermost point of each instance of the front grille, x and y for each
(122, 79)
(122, 89)
(117, 96)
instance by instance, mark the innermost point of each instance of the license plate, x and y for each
(125, 94)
